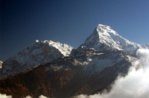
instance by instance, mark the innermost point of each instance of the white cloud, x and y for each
(42, 96)
(9, 96)
(4, 96)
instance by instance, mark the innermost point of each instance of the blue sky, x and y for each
(68, 21)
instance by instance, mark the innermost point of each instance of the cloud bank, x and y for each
(7, 96)
(4, 96)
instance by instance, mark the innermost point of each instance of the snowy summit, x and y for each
(105, 36)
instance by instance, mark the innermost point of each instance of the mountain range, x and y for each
(58, 70)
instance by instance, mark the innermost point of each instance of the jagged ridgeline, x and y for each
(57, 70)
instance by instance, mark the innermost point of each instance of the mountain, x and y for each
(89, 69)
(40, 52)
(104, 37)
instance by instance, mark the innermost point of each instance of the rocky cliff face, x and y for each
(89, 69)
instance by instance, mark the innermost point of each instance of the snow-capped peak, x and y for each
(44, 51)
(40, 52)
(63, 48)
(105, 36)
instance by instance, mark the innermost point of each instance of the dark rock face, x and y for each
(68, 76)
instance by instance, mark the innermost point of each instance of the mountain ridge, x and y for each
(91, 68)
(40, 52)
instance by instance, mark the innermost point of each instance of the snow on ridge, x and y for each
(63, 48)
(40, 52)
(105, 35)
(111, 38)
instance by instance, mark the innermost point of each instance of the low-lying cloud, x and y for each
(134, 85)
(9, 96)
(5, 96)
